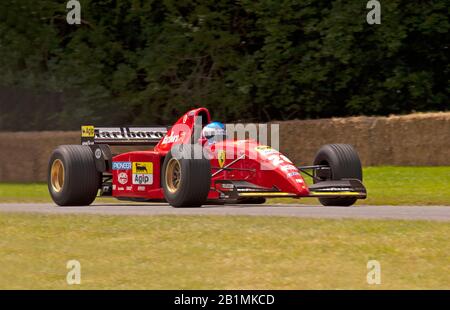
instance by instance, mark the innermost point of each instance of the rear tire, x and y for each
(186, 182)
(344, 163)
(73, 179)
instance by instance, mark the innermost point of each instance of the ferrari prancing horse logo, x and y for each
(221, 157)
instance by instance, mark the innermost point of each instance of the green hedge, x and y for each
(147, 61)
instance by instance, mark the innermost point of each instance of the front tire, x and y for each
(73, 179)
(344, 163)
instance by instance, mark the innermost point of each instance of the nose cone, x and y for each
(296, 181)
(272, 169)
(286, 175)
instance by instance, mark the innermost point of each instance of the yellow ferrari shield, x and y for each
(221, 157)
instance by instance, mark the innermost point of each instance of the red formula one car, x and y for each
(186, 170)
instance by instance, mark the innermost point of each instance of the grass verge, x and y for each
(385, 186)
(186, 252)
(399, 186)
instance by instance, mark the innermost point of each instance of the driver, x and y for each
(214, 132)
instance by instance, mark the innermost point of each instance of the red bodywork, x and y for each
(138, 174)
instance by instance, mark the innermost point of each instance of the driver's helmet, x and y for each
(214, 132)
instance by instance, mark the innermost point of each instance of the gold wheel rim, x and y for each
(57, 176)
(173, 175)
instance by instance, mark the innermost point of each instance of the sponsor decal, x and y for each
(143, 179)
(171, 139)
(87, 143)
(122, 178)
(141, 188)
(129, 188)
(185, 119)
(114, 187)
(221, 157)
(120, 188)
(335, 189)
(248, 190)
(142, 173)
(87, 131)
(142, 168)
(276, 160)
(227, 186)
(299, 181)
(121, 165)
(266, 150)
(127, 133)
(288, 167)
(262, 147)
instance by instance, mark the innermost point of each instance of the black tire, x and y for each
(81, 180)
(344, 163)
(194, 182)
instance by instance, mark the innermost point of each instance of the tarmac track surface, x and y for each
(435, 213)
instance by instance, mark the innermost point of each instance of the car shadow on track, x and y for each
(225, 206)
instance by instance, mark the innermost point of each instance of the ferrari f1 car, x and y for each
(186, 171)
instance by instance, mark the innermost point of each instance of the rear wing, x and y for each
(91, 135)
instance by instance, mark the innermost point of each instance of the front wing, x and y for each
(232, 189)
